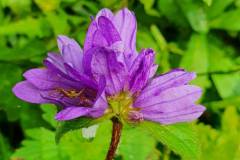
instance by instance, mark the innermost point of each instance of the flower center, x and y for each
(121, 106)
(82, 97)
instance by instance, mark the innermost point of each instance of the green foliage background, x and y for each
(198, 35)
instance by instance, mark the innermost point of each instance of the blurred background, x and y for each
(198, 35)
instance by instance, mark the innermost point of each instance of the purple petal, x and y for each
(106, 13)
(108, 30)
(126, 24)
(101, 33)
(153, 70)
(71, 113)
(53, 67)
(171, 79)
(57, 61)
(101, 102)
(94, 37)
(99, 61)
(185, 115)
(71, 52)
(82, 78)
(45, 79)
(140, 71)
(27, 92)
(170, 100)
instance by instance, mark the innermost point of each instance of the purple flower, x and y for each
(64, 83)
(110, 77)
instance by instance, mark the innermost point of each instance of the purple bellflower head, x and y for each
(110, 77)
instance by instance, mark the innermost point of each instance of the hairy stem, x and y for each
(116, 134)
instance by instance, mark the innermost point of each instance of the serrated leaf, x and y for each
(40, 145)
(228, 85)
(196, 58)
(135, 144)
(225, 19)
(77, 147)
(180, 138)
(66, 126)
(49, 113)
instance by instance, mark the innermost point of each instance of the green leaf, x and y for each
(217, 7)
(40, 145)
(29, 26)
(144, 37)
(162, 43)
(195, 14)
(172, 11)
(228, 85)
(208, 2)
(83, 122)
(23, 53)
(49, 113)
(135, 144)
(230, 120)
(196, 58)
(78, 147)
(46, 5)
(148, 7)
(66, 126)
(215, 141)
(10, 75)
(58, 22)
(180, 138)
(17, 6)
(228, 20)
(216, 106)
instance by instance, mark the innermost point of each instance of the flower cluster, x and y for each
(109, 76)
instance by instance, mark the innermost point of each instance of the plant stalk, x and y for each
(116, 134)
